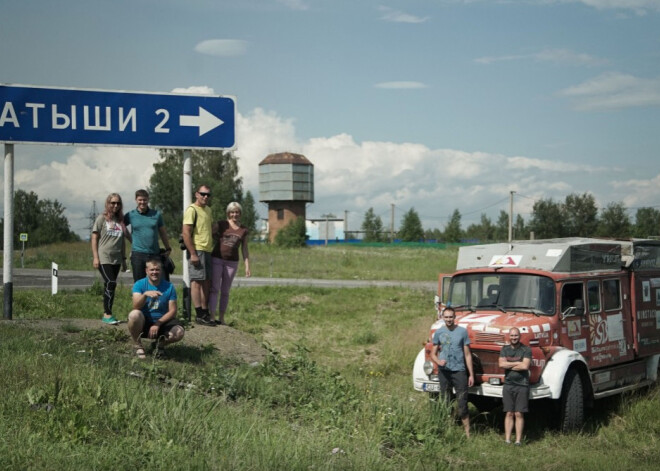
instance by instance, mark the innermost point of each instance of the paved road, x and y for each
(34, 278)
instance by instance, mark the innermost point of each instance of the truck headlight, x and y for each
(428, 367)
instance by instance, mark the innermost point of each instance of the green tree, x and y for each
(433, 234)
(501, 231)
(614, 221)
(214, 168)
(250, 216)
(520, 230)
(372, 226)
(647, 222)
(579, 216)
(411, 227)
(546, 219)
(453, 231)
(42, 220)
(484, 231)
(294, 234)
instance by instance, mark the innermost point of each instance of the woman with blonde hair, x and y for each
(109, 251)
(228, 236)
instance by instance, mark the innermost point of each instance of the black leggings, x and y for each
(109, 274)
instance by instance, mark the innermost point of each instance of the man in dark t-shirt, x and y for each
(515, 358)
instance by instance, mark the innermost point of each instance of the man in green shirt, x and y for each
(515, 358)
(197, 223)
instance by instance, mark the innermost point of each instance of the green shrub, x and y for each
(292, 235)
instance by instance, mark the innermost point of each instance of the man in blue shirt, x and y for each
(451, 352)
(145, 225)
(154, 311)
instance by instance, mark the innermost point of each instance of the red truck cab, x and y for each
(588, 308)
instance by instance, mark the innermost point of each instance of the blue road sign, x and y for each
(114, 118)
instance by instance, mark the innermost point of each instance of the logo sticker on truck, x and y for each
(505, 261)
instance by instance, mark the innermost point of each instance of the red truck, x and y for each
(588, 308)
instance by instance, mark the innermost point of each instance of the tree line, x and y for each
(576, 216)
(42, 220)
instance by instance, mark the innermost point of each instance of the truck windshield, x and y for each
(504, 292)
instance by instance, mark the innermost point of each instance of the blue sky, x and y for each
(432, 105)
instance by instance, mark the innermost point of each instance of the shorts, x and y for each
(164, 329)
(459, 381)
(515, 398)
(204, 270)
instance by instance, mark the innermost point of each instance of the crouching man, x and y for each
(154, 311)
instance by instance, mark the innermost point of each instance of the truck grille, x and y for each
(488, 337)
(486, 362)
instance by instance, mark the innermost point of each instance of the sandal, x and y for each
(140, 353)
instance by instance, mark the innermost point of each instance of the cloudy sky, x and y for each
(425, 104)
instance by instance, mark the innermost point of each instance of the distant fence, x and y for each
(432, 244)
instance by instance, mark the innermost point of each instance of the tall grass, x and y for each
(331, 262)
(333, 393)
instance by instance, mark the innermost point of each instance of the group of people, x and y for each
(451, 352)
(213, 258)
(212, 249)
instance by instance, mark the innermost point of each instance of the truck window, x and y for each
(458, 293)
(572, 296)
(593, 295)
(611, 295)
(506, 291)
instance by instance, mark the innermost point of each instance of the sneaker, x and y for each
(110, 320)
(517, 444)
(204, 321)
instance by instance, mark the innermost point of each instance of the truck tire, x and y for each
(571, 403)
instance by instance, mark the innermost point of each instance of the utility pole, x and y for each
(511, 216)
(392, 225)
(345, 224)
(92, 216)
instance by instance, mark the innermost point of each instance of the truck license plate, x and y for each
(433, 387)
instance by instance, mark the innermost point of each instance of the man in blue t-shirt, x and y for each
(154, 311)
(144, 226)
(451, 352)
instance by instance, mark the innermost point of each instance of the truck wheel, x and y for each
(571, 403)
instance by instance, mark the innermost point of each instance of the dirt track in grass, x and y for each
(225, 339)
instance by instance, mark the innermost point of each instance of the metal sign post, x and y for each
(107, 118)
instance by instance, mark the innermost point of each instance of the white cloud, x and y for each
(614, 90)
(396, 16)
(400, 85)
(89, 174)
(555, 56)
(195, 90)
(350, 175)
(638, 6)
(294, 4)
(222, 47)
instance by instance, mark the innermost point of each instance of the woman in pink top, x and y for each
(228, 236)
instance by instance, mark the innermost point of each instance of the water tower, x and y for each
(286, 183)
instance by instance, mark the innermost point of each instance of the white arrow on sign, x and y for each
(205, 121)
